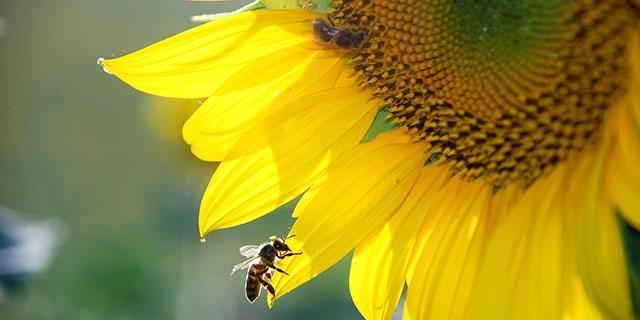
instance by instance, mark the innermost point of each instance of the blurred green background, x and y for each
(107, 166)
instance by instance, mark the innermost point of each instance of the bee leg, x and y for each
(272, 266)
(280, 270)
(289, 254)
(267, 286)
(268, 275)
(333, 24)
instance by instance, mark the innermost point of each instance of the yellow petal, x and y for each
(447, 251)
(217, 125)
(579, 306)
(376, 279)
(303, 138)
(623, 167)
(517, 261)
(518, 255)
(634, 90)
(526, 264)
(194, 63)
(601, 260)
(623, 173)
(359, 194)
(599, 249)
(384, 138)
(310, 122)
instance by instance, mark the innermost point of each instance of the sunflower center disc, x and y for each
(503, 89)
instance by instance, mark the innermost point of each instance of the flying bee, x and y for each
(346, 38)
(262, 263)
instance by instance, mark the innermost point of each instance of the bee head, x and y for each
(279, 244)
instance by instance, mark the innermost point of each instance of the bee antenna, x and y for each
(285, 233)
(291, 236)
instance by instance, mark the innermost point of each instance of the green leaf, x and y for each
(382, 122)
(631, 238)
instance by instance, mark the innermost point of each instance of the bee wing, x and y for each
(245, 264)
(250, 250)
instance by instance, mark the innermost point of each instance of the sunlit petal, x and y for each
(194, 63)
(377, 275)
(447, 252)
(360, 193)
(274, 173)
(217, 125)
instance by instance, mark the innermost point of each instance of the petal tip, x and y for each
(271, 301)
(102, 62)
(204, 230)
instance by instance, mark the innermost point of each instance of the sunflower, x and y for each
(478, 153)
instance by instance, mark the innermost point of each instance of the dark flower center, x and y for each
(503, 89)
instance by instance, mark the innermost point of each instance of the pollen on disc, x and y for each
(503, 89)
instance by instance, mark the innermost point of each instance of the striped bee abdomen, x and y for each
(253, 284)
